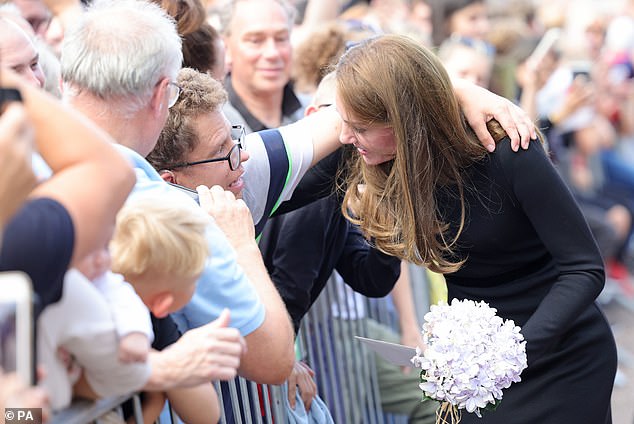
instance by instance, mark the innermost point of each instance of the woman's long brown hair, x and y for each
(391, 80)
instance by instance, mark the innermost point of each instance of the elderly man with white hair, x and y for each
(119, 64)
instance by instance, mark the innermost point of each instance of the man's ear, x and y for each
(161, 303)
(157, 102)
(168, 176)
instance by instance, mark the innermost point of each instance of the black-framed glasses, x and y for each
(234, 157)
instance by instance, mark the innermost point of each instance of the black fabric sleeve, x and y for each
(553, 212)
(293, 260)
(39, 240)
(165, 332)
(302, 249)
(367, 270)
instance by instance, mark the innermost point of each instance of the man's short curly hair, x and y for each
(200, 94)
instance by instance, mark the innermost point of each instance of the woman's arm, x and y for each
(16, 143)
(403, 300)
(90, 178)
(564, 232)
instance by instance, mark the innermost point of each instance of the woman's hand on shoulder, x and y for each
(479, 106)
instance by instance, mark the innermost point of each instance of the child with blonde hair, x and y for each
(159, 246)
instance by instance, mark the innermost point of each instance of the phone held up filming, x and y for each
(16, 325)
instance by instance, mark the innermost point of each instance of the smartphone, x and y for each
(188, 191)
(581, 68)
(8, 95)
(17, 353)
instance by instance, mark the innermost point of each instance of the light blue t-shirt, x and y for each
(223, 284)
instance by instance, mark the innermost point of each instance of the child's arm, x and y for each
(133, 347)
(131, 317)
(195, 405)
(84, 161)
(89, 335)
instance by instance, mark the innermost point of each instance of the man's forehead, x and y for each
(244, 14)
(211, 132)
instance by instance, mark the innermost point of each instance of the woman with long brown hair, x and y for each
(501, 226)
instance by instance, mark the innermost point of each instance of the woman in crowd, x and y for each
(463, 19)
(62, 220)
(423, 189)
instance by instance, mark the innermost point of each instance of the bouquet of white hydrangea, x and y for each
(471, 355)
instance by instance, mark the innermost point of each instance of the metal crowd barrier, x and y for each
(83, 411)
(344, 372)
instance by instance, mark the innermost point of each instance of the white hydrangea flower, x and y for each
(471, 355)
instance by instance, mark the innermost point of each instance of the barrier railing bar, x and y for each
(233, 393)
(83, 411)
(223, 418)
(246, 402)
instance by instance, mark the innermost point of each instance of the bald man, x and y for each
(18, 51)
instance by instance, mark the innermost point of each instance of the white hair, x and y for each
(120, 49)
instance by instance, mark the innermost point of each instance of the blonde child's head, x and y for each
(159, 245)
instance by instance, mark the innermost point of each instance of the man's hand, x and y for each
(232, 215)
(302, 378)
(580, 93)
(210, 352)
(274, 336)
(480, 106)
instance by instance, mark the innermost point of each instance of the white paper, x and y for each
(392, 352)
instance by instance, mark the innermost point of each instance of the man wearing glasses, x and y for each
(236, 154)
(198, 146)
(119, 67)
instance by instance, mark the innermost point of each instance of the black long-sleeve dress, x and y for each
(531, 255)
(302, 248)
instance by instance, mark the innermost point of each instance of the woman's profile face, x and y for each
(375, 143)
